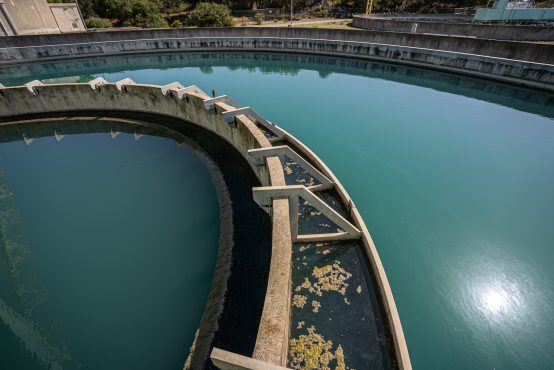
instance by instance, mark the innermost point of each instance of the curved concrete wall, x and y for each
(192, 105)
(515, 62)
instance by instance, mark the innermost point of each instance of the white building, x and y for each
(29, 17)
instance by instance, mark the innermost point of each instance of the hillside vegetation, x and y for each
(182, 13)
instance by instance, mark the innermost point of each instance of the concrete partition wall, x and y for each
(521, 63)
(187, 105)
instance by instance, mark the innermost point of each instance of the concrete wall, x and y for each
(485, 31)
(540, 53)
(425, 17)
(68, 17)
(520, 63)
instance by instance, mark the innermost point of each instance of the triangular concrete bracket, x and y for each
(181, 93)
(284, 150)
(265, 194)
(121, 83)
(172, 86)
(31, 86)
(97, 82)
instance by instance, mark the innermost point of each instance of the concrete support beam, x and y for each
(281, 150)
(231, 361)
(97, 82)
(32, 84)
(121, 83)
(312, 238)
(255, 117)
(172, 86)
(221, 99)
(180, 93)
(263, 196)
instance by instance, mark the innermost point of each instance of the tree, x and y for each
(87, 8)
(211, 15)
(142, 13)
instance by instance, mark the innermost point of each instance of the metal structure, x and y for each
(513, 11)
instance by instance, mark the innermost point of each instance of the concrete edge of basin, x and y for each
(520, 63)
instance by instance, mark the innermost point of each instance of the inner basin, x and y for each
(452, 175)
(108, 247)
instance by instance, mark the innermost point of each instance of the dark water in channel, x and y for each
(108, 251)
(454, 178)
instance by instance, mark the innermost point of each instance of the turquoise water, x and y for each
(109, 271)
(453, 177)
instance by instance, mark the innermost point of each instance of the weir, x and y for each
(274, 156)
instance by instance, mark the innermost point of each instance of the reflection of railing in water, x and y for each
(29, 296)
(18, 254)
(31, 337)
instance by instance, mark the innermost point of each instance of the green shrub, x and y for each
(142, 13)
(177, 24)
(321, 10)
(211, 15)
(95, 22)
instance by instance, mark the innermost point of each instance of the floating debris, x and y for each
(300, 325)
(316, 306)
(346, 301)
(311, 351)
(339, 354)
(305, 285)
(359, 289)
(299, 300)
(331, 278)
(306, 351)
